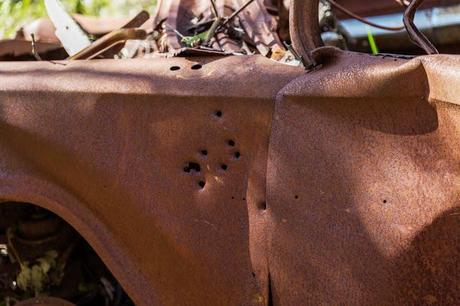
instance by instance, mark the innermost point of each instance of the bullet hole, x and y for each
(218, 113)
(253, 274)
(174, 68)
(231, 143)
(224, 167)
(197, 67)
(384, 201)
(237, 155)
(204, 152)
(202, 184)
(262, 205)
(296, 197)
(244, 199)
(191, 166)
(233, 198)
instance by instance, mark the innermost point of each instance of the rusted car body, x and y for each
(236, 180)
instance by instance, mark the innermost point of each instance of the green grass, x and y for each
(372, 43)
(15, 13)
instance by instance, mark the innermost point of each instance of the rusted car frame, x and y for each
(236, 180)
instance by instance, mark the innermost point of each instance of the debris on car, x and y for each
(230, 27)
(201, 27)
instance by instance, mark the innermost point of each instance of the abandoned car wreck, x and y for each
(230, 152)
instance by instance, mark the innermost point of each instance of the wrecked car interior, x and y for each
(232, 152)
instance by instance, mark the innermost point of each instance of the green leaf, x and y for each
(193, 41)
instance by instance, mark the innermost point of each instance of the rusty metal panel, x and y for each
(362, 187)
(17, 49)
(165, 174)
(240, 181)
(358, 205)
(153, 162)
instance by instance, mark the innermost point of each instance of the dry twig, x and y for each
(34, 48)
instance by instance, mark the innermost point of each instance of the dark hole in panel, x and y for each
(192, 166)
(174, 68)
(197, 67)
(202, 184)
(262, 205)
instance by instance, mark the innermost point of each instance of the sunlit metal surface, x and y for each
(240, 181)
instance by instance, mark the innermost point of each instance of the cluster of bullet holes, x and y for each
(194, 67)
(194, 167)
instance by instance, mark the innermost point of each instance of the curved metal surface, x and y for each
(337, 186)
(415, 35)
(304, 29)
(108, 146)
(363, 183)
(108, 42)
(306, 34)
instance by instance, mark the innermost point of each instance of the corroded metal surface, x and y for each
(304, 29)
(363, 181)
(416, 36)
(165, 174)
(19, 49)
(108, 146)
(240, 181)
